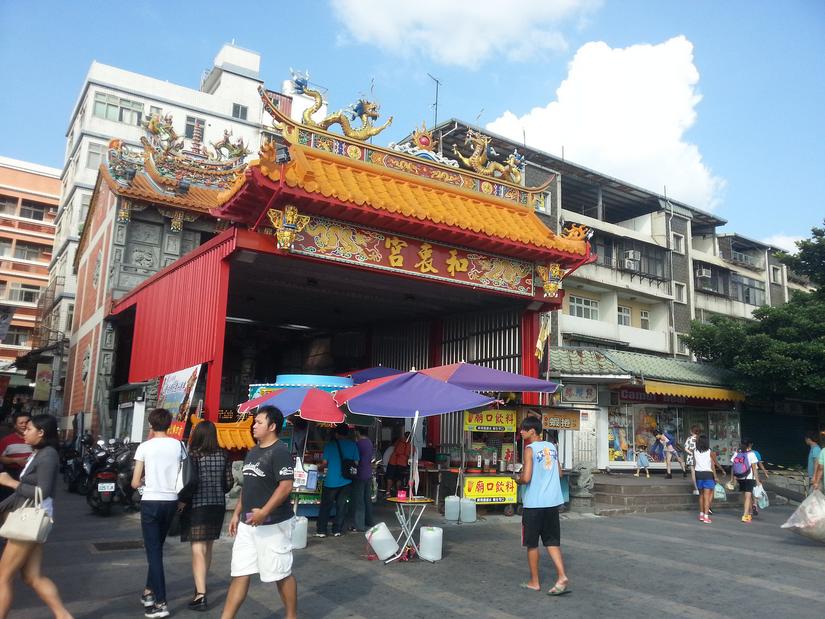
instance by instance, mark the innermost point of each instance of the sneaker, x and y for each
(322, 535)
(147, 599)
(706, 520)
(710, 512)
(336, 534)
(701, 516)
(636, 474)
(684, 474)
(157, 610)
(747, 518)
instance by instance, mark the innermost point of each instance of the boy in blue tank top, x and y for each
(541, 499)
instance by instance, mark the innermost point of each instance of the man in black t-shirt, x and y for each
(263, 520)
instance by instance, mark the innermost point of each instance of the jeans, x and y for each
(155, 518)
(362, 503)
(329, 497)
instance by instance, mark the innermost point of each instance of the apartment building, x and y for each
(115, 104)
(29, 195)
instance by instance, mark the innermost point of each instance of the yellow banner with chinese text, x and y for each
(556, 419)
(490, 421)
(501, 490)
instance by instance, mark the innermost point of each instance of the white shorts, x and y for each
(264, 550)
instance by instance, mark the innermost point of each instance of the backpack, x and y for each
(741, 465)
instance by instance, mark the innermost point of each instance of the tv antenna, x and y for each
(435, 105)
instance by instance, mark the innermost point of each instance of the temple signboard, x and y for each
(332, 240)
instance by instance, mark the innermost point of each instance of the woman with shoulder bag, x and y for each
(40, 472)
(202, 518)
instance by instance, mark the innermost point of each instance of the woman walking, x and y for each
(202, 517)
(704, 465)
(669, 452)
(40, 471)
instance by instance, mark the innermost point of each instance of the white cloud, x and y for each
(783, 241)
(625, 112)
(462, 32)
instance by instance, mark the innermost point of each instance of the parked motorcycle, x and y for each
(110, 477)
(74, 453)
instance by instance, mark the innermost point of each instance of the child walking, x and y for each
(642, 461)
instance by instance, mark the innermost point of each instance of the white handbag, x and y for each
(28, 523)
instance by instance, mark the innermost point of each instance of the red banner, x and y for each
(331, 240)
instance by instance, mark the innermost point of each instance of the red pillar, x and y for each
(435, 351)
(529, 361)
(214, 369)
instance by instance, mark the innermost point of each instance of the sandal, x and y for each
(558, 590)
(526, 585)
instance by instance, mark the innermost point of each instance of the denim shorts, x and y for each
(705, 484)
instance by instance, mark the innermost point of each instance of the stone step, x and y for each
(681, 488)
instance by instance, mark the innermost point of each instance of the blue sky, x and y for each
(720, 102)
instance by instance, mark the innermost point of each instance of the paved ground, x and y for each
(667, 565)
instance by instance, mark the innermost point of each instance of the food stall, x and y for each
(489, 458)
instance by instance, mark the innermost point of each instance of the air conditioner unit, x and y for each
(631, 265)
(703, 273)
(632, 254)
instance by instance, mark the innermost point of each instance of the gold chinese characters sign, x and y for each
(557, 419)
(490, 421)
(489, 489)
(332, 240)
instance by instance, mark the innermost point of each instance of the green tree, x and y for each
(780, 354)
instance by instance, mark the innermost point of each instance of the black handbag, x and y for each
(349, 468)
(187, 481)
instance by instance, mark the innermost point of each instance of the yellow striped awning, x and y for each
(693, 391)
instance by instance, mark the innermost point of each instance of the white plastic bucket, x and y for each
(299, 533)
(468, 510)
(451, 507)
(430, 546)
(382, 541)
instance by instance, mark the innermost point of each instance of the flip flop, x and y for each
(527, 586)
(558, 590)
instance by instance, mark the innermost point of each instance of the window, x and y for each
(644, 319)
(642, 258)
(681, 347)
(191, 123)
(5, 247)
(23, 293)
(624, 316)
(584, 308)
(239, 111)
(17, 336)
(28, 251)
(747, 290)
(8, 205)
(94, 155)
(678, 243)
(604, 251)
(776, 274)
(679, 293)
(34, 210)
(112, 107)
(69, 317)
(155, 110)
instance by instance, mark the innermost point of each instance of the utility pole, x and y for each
(435, 105)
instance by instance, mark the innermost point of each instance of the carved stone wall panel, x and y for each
(172, 244)
(144, 232)
(190, 239)
(120, 234)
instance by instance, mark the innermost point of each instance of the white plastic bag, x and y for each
(809, 518)
(758, 491)
(719, 493)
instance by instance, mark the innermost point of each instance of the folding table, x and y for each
(408, 512)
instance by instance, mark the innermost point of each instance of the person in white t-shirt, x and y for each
(157, 461)
(743, 468)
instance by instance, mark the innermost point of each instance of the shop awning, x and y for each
(693, 391)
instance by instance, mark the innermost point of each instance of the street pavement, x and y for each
(663, 565)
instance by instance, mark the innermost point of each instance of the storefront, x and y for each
(637, 414)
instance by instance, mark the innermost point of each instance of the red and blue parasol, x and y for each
(308, 403)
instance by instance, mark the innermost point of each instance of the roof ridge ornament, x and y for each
(479, 160)
(422, 144)
(364, 110)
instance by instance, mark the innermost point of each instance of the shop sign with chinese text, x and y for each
(579, 393)
(332, 240)
(490, 489)
(490, 421)
(557, 419)
(177, 390)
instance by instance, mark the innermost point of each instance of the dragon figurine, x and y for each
(479, 159)
(364, 110)
(162, 134)
(237, 150)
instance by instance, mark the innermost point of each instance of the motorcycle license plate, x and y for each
(108, 487)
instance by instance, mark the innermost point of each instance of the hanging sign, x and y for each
(490, 489)
(177, 390)
(6, 315)
(42, 382)
(579, 393)
(494, 420)
(559, 419)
